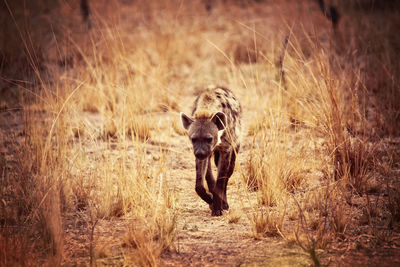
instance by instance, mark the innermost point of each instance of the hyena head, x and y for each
(205, 133)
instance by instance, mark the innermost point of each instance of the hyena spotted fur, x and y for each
(214, 130)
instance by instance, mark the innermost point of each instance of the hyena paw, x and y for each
(225, 206)
(216, 213)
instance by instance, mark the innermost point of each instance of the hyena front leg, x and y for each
(216, 157)
(225, 205)
(229, 173)
(219, 192)
(210, 180)
(202, 167)
(232, 162)
(230, 169)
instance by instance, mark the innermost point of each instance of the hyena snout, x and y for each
(200, 155)
(201, 152)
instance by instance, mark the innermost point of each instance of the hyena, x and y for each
(214, 130)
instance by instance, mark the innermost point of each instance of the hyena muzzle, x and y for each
(214, 130)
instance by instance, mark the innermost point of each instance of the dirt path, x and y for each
(206, 240)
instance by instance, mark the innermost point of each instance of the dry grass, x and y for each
(320, 156)
(326, 102)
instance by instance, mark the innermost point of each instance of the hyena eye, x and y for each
(208, 140)
(194, 140)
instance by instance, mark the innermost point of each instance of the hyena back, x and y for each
(214, 130)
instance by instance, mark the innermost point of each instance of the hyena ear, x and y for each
(219, 119)
(186, 121)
